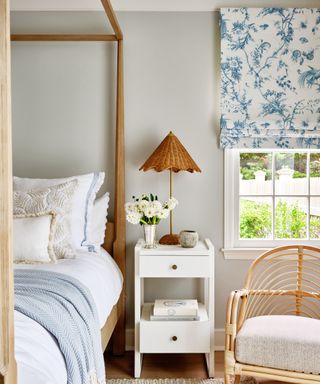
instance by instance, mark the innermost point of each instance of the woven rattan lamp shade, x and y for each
(170, 155)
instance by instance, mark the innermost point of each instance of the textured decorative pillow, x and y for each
(84, 196)
(58, 199)
(98, 222)
(33, 238)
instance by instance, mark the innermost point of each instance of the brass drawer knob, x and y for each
(174, 338)
(174, 266)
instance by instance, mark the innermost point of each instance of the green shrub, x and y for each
(252, 162)
(255, 220)
(299, 175)
(314, 227)
(290, 221)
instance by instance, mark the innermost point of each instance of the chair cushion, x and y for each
(283, 342)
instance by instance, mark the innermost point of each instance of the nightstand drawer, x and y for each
(175, 337)
(174, 266)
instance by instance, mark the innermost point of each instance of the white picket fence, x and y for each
(285, 185)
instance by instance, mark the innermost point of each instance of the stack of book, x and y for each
(175, 310)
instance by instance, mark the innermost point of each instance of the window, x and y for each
(272, 198)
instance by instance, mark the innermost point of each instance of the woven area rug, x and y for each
(245, 380)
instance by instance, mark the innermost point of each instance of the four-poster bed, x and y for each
(115, 233)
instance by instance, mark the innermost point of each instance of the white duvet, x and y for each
(38, 357)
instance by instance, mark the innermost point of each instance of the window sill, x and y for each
(243, 253)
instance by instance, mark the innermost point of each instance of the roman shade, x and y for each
(270, 78)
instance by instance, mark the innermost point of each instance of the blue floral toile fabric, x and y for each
(270, 78)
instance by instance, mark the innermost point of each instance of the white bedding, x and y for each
(38, 357)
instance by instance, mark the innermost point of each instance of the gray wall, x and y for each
(63, 119)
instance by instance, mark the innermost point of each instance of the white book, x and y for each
(175, 308)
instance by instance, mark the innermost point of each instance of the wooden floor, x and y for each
(165, 365)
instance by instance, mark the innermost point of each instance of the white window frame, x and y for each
(246, 249)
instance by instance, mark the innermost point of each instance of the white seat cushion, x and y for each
(283, 342)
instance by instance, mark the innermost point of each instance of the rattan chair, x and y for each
(282, 287)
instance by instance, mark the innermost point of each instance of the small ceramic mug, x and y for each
(188, 239)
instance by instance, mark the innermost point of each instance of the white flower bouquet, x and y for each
(148, 210)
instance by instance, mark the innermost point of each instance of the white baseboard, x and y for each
(219, 339)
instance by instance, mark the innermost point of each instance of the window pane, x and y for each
(255, 218)
(291, 173)
(315, 218)
(315, 173)
(255, 173)
(291, 217)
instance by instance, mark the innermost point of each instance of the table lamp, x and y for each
(170, 155)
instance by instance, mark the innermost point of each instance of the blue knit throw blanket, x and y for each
(65, 308)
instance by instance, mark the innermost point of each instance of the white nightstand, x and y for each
(167, 261)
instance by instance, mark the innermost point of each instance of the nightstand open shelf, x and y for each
(175, 336)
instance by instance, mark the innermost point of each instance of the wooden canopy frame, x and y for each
(117, 317)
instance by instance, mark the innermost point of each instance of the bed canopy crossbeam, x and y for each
(60, 37)
(7, 360)
(118, 35)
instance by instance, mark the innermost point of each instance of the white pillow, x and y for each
(84, 196)
(98, 222)
(57, 199)
(33, 238)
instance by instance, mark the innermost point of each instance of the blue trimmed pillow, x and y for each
(98, 222)
(87, 187)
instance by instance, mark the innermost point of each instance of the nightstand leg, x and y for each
(137, 364)
(209, 303)
(210, 364)
(139, 299)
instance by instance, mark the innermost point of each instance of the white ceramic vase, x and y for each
(188, 239)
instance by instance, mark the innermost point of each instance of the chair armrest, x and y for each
(234, 318)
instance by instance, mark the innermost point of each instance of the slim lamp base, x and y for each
(169, 239)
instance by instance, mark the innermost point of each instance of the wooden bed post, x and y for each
(119, 245)
(7, 361)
